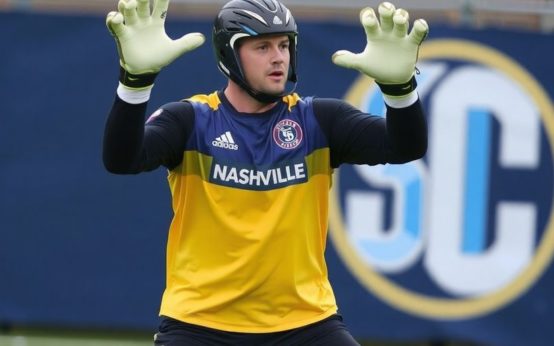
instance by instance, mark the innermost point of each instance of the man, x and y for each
(250, 166)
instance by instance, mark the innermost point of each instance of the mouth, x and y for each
(277, 75)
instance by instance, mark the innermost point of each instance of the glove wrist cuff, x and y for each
(133, 96)
(401, 101)
(398, 89)
(136, 81)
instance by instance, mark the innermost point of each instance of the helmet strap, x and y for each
(261, 96)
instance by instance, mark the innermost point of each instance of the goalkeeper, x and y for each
(250, 166)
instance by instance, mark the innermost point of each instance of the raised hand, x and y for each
(391, 52)
(142, 43)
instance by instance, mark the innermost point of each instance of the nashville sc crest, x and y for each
(287, 134)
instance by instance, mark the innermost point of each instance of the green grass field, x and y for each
(61, 338)
(63, 341)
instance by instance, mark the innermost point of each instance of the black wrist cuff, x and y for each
(398, 89)
(136, 80)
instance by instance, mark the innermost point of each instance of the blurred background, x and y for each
(453, 249)
(534, 15)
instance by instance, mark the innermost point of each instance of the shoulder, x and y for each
(172, 112)
(186, 109)
(180, 107)
(321, 102)
(212, 101)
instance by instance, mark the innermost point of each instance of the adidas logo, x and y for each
(225, 141)
(277, 20)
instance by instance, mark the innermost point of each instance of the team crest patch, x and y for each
(287, 134)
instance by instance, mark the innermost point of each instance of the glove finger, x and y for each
(189, 42)
(129, 10)
(143, 9)
(369, 22)
(386, 12)
(159, 11)
(401, 22)
(419, 31)
(346, 59)
(114, 22)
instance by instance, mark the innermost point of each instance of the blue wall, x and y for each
(80, 247)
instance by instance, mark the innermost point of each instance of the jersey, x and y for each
(246, 245)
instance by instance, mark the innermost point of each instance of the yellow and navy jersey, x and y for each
(246, 245)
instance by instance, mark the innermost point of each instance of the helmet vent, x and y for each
(269, 5)
(254, 15)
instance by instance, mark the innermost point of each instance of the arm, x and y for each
(144, 49)
(131, 147)
(389, 58)
(356, 137)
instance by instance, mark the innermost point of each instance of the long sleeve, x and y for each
(130, 146)
(356, 137)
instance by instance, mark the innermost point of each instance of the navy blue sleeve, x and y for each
(356, 137)
(130, 146)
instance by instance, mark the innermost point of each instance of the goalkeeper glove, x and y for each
(391, 53)
(142, 43)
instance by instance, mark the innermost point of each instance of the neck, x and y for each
(243, 102)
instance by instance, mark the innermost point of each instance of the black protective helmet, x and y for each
(246, 18)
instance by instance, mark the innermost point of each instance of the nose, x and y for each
(278, 54)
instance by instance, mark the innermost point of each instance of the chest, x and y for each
(259, 153)
(256, 141)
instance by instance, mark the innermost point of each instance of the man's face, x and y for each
(265, 62)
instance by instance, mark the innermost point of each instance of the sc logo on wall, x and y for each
(469, 228)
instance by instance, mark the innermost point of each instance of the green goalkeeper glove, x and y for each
(391, 53)
(142, 43)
